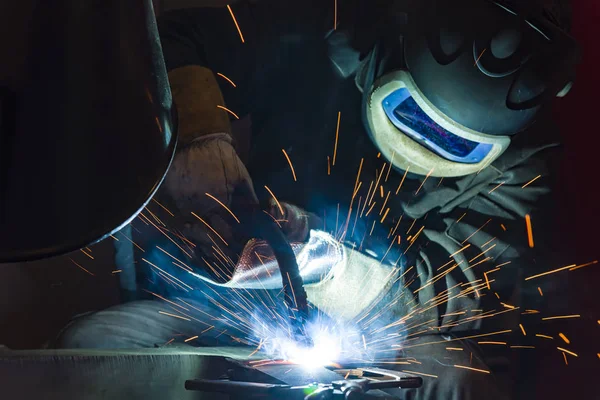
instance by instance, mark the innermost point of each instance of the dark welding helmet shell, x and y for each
(486, 66)
(87, 130)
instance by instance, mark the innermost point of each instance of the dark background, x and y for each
(37, 299)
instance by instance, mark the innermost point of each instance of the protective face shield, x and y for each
(444, 94)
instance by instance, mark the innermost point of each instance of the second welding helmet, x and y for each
(444, 93)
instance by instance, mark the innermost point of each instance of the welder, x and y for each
(416, 133)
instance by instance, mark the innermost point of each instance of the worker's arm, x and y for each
(477, 246)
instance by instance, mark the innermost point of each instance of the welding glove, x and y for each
(208, 182)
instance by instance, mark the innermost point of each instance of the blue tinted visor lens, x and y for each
(407, 116)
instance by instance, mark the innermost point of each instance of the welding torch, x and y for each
(261, 225)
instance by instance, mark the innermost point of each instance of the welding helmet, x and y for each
(87, 127)
(443, 94)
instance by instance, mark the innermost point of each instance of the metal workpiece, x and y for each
(87, 132)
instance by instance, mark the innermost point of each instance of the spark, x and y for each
(540, 290)
(190, 339)
(565, 357)
(476, 61)
(290, 163)
(164, 272)
(229, 111)
(544, 336)
(487, 282)
(402, 181)
(169, 342)
(584, 265)
(163, 207)
(116, 271)
(499, 343)
(563, 337)
(175, 316)
(480, 254)
(381, 191)
(89, 255)
(424, 180)
(390, 168)
(567, 351)
(236, 23)
(500, 184)
(472, 369)
(210, 227)
(454, 349)
(179, 261)
(482, 226)
(385, 215)
(460, 250)
(359, 171)
(335, 9)
(81, 267)
(551, 272)
(224, 206)
(530, 182)
(529, 230)
(134, 243)
(508, 306)
(377, 182)
(114, 238)
(370, 209)
(227, 79)
(561, 317)
(337, 133)
(455, 339)
(503, 227)
(373, 227)
(328, 166)
(419, 373)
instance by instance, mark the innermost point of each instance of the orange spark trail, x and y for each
(482, 226)
(501, 183)
(531, 181)
(476, 61)
(335, 9)
(564, 338)
(402, 181)
(424, 180)
(540, 290)
(227, 79)
(163, 207)
(567, 351)
(229, 111)
(81, 267)
(584, 265)
(561, 317)
(544, 336)
(89, 255)
(224, 206)
(276, 201)
(290, 162)
(458, 251)
(551, 272)
(236, 23)
(173, 315)
(210, 227)
(522, 329)
(337, 133)
(472, 369)
(529, 230)
(190, 339)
